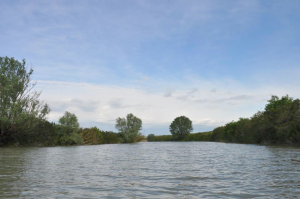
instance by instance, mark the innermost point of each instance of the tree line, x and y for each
(23, 116)
(278, 123)
(23, 120)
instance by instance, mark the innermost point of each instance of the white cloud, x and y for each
(168, 93)
(102, 104)
(148, 48)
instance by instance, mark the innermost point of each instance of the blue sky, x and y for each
(213, 61)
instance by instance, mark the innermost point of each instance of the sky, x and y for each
(212, 61)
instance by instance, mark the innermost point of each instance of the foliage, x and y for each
(20, 107)
(109, 137)
(181, 127)
(70, 139)
(96, 136)
(69, 120)
(275, 104)
(229, 131)
(129, 128)
(140, 137)
(42, 134)
(279, 123)
(203, 136)
(23, 120)
(150, 137)
(90, 136)
(217, 134)
(162, 138)
(68, 130)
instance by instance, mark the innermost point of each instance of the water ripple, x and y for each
(151, 170)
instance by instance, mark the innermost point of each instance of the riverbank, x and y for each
(279, 123)
(210, 137)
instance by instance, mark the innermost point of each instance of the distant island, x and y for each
(23, 120)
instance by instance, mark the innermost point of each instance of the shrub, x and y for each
(151, 138)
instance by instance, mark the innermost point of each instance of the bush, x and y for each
(90, 136)
(109, 137)
(96, 136)
(151, 138)
(163, 138)
(140, 137)
(278, 124)
(205, 136)
(70, 139)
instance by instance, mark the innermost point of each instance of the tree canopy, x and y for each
(129, 127)
(150, 137)
(68, 130)
(20, 106)
(69, 120)
(181, 127)
(278, 123)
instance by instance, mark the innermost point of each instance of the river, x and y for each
(151, 170)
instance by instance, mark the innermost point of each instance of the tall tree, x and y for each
(68, 130)
(69, 120)
(20, 106)
(129, 127)
(181, 127)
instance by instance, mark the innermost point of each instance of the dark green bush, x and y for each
(109, 137)
(205, 136)
(162, 138)
(151, 138)
(90, 136)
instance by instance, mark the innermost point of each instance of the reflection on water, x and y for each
(151, 170)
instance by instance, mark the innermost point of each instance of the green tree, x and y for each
(68, 130)
(278, 123)
(69, 120)
(151, 138)
(243, 131)
(229, 131)
(217, 134)
(109, 137)
(129, 127)
(20, 107)
(181, 127)
(275, 103)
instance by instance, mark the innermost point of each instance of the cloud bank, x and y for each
(100, 105)
(212, 61)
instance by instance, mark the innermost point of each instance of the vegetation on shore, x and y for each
(23, 120)
(203, 136)
(23, 116)
(279, 123)
(181, 127)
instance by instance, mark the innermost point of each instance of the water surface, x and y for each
(151, 170)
